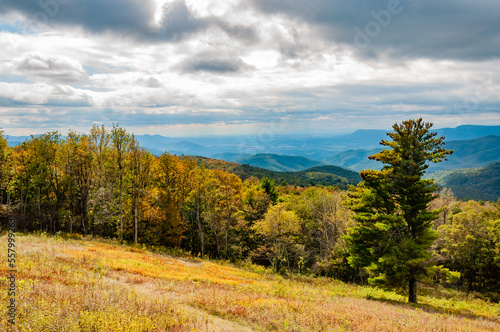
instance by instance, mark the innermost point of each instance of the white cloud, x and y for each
(49, 68)
(228, 66)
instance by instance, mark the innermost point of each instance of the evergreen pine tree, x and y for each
(394, 226)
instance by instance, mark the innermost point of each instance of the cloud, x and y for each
(193, 63)
(55, 69)
(131, 18)
(150, 82)
(177, 22)
(21, 94)
(213, 63)
(94, 15)
(448, 29)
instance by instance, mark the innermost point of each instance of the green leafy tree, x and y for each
(467, 245)
(394, 226)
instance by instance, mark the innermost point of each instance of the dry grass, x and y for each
(67, 285)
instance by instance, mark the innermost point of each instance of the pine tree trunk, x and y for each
(412, 296)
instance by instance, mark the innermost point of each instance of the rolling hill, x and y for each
(279, 163)
(471, 183)
(326, 175)
(72, 283)
(355, 160)
(479, 152)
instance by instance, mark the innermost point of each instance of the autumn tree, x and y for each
(222, 200)
(394, 230)
(325, 219)
(4, 155)
(170, 227)
(443, 203)
(140, 165)
(101, 206)
(19, 186)
(230, 202)
(195, 206)
(79, 164)
(255, 203)
(121, 142)
(279, 230)
(45, 173)
(5, 175)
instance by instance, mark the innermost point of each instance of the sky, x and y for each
(244, 67)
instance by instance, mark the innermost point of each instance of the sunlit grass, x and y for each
(73, 285)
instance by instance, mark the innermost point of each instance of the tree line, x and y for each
(103, 183)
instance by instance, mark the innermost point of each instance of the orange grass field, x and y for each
(90, 285)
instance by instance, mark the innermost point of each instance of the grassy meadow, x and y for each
(91, 285)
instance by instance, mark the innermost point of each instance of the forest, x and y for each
(104, 184)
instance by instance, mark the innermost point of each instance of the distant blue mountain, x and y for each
(279, 163)
(467, 132)
(230, 156)
(478, 152)
(346, 150)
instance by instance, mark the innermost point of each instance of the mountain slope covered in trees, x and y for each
(326, 175)
(471, 183)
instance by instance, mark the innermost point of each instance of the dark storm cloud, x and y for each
(125, 17)
(178, 22)
(447, 29)
(214, 64)
(94, 15)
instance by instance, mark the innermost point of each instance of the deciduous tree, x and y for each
(121, 143)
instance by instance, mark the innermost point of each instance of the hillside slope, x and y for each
(88, 285)
(477, 152)
(326, 175)
(473, 183)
